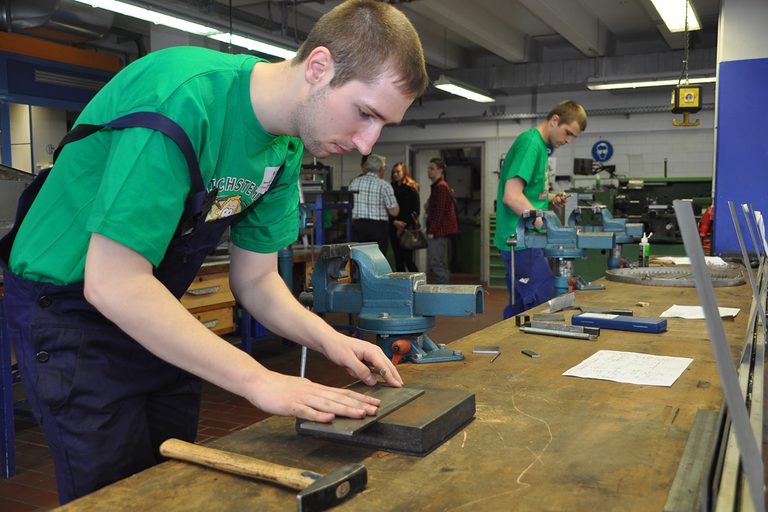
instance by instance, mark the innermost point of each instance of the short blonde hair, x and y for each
(570, 111)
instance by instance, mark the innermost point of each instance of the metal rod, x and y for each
(750, 451)
(303, 367)
(748, 269)
(559, 334)
(759, 236)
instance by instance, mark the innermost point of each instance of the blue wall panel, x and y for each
(741, 173)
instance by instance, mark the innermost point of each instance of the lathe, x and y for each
(398, 307)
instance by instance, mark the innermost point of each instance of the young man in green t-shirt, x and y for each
(523, 186)
(120, 227)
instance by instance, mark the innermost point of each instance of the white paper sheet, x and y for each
(712, 261)
(631, 368)
(696, 312)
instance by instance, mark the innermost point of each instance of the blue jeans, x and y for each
(534, 283)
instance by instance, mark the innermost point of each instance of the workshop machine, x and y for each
(597, 218)
(649, 201)
(398, 307)
(563, 244)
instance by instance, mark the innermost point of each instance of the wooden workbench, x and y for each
(539, 441)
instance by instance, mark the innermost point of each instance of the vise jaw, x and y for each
(357, 278)
(625, 232)
(558, 240)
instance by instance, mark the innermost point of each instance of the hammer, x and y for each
(317, 492)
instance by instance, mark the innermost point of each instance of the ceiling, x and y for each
(507, 47)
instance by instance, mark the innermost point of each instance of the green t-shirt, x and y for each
(130, 185)
(526, 159)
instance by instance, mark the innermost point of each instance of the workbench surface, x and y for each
(539, 440)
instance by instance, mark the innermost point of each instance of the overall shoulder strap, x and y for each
(154, 121)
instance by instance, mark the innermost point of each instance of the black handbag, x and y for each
(413, 237)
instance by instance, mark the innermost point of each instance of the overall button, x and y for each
(44, 301)
(43, 356)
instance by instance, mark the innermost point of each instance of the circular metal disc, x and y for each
(679, 275)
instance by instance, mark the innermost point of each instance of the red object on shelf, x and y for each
(705, 228)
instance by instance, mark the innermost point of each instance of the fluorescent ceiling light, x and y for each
(596, 86)
(254, 44)
(673, 14)
(191, 27)
(460, 89)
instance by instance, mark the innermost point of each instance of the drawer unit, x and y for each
(208, 291)
(496, 272)
(210, 300)
(220, 320)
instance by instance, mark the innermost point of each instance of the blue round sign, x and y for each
(602, 151)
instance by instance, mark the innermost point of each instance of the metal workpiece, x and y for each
(357, 278)
(559, 334)
(561, 330)
(391, 399)
(680, 275)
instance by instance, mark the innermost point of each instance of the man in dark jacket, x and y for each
(441, 222)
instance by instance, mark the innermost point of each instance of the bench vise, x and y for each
(399, 307)
(563, 244)
(625, 232)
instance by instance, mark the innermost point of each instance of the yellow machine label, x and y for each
(688, 97)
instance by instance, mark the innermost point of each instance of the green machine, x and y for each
(647, 201)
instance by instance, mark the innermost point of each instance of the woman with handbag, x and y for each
(407, 194)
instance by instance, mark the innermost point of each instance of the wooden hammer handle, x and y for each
(238, 464)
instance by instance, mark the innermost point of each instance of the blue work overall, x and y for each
(105, 403)
(534, 283)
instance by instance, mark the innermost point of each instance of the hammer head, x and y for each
(333, 488)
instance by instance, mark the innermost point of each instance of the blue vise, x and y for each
(399, 307)
(563, 244)
(559, 241)
(599, 218)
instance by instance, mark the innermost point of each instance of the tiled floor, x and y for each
(34, 487)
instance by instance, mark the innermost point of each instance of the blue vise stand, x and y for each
(625, 232)
(395, 306)
(563, 244)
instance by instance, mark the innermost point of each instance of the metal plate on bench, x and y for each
(416, 428)
(680, 275)
(391, 399)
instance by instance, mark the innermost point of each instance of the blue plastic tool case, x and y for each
(621, 322)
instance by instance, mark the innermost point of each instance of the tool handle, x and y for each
(235, 463)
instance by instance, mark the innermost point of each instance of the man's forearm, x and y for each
(151, 315)
(269, 300)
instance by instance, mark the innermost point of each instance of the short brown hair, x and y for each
(365, 38)
(570, 111)
(440, 164)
